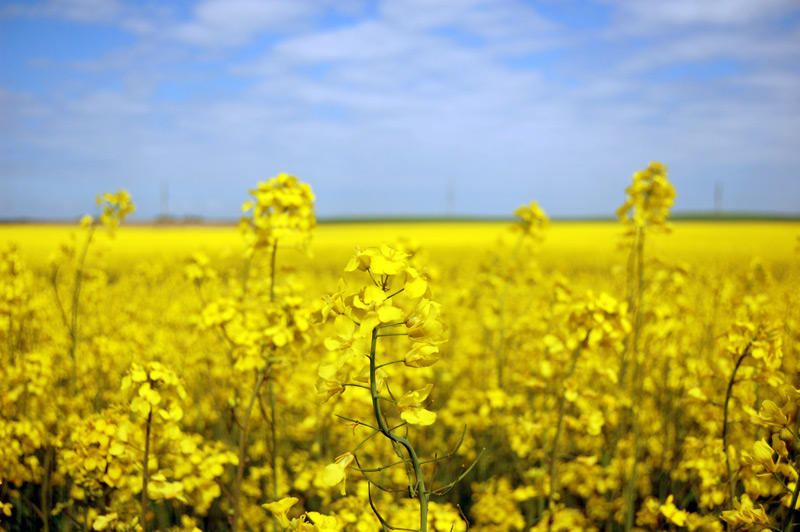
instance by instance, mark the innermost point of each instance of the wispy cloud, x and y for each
(79, 10)
(381, 105)
(233, 22)
(681, 13)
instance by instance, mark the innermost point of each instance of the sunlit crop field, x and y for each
(590, 244)
(495, 376)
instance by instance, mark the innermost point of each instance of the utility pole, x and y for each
(717, 199)
(164, 199)
(450, 198)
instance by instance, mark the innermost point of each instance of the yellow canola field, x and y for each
(548, 378)
(583, 243)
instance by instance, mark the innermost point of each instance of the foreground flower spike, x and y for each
(392, 299)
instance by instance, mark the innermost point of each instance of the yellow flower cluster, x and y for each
(395, 301)
(16, 298)
(308, 522)
(155, 389)
(649, 198)
(105, 453)
(116, 207)
(250, 387)
(282, 209)
(532, 220)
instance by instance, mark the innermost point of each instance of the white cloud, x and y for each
(106, 102)
(648, 15)
(235, 22)
(231, 22)
(362, 42)
(78, 10)
(750, 46)
(488, 18)
(404, 99)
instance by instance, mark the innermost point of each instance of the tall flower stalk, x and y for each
(280, 210)
(156, 395)
(531, 224)
(395, 301)
(648, 201)
(115, 208)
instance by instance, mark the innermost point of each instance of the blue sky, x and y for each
(415, 107)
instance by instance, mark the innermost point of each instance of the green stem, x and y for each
(246, 275)
(237, 487)
(631, 494)
(562, 406)
(47, 487)
(728, 394)
(76, 294)
(390, 296)
(500, 354)
(10, 338)
(422, 493)
(59, 304)
(790, 516)
(272, 271)
(274, 438)
(145, 470)
(389, 363)
(636, 376)
(272, 403)
(260, 378)
(19, 509)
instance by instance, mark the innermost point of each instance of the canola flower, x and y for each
(395, 302)
(259, 388)
(281, 209)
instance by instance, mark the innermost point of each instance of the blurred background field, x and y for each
(569, 246)
(585, 244)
